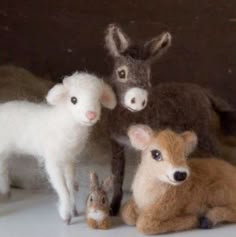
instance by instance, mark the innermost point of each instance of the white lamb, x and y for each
(55, 132)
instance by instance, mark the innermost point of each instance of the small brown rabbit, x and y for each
(97, 207)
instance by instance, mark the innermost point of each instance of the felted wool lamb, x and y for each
(54, 132)
(171, 193)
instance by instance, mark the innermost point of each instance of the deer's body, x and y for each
(173, 194)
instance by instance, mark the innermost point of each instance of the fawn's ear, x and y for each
(190, 139)
(116, 41)
(94, 182)
(157, 46)
(57, 94)
(140, 136)
(107, 183)
(108, 98)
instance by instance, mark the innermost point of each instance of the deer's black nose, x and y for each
(180, 176)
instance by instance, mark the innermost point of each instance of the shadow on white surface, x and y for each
(29, 214)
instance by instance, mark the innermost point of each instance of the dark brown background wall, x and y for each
(59, 36)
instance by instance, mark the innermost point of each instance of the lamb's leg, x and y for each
(129, 212)
(150, 225)
(218, 215)
(58, 182)
(70, 172)
(118, 166)
(4, 178)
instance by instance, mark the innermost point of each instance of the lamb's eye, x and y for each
(122, 74)
(103, 200)
(156, 155)
(73, 100)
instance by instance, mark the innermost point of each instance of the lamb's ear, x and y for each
(94, 182)
(116, 41)
(157, 46)
(140, 136)
(190, 139)
(108, 98)
(107, 184)
(56, 94)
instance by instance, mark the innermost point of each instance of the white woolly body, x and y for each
(39, 130)
(96, 215)
(55, 132)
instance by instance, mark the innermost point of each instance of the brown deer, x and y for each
(171, 193)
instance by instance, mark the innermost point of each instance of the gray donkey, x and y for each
(177, 106)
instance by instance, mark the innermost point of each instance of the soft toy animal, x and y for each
(179, 106)
(55, 132)
(97, 207)
(171, 193)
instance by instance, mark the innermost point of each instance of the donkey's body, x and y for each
(172, 105)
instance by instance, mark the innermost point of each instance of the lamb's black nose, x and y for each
(180, 176)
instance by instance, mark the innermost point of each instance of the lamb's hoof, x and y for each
(68, 220)
(205, 223)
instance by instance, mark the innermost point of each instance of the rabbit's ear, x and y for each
(107, 183)
(94, 183)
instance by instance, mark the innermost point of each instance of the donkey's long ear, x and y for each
(140, 136)
(116, 41)
(57, 94)
(190, 139)
(157, 46)
(107, 183)
(94, 182)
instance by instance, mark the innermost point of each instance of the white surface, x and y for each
(28, 214)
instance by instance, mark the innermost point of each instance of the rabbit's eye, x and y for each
(91, 199)
(103, 200)
(73, 100)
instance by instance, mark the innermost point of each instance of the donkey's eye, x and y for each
(73, 100)
(122, 74)
(156, 155)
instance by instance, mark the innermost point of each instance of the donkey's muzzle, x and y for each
(136, 99)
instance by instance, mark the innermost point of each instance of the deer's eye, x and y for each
(73, 100)
(156, 155)
(122, 74)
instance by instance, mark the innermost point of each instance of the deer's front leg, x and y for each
(118, 166)
(152, 225)
(129, 212)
